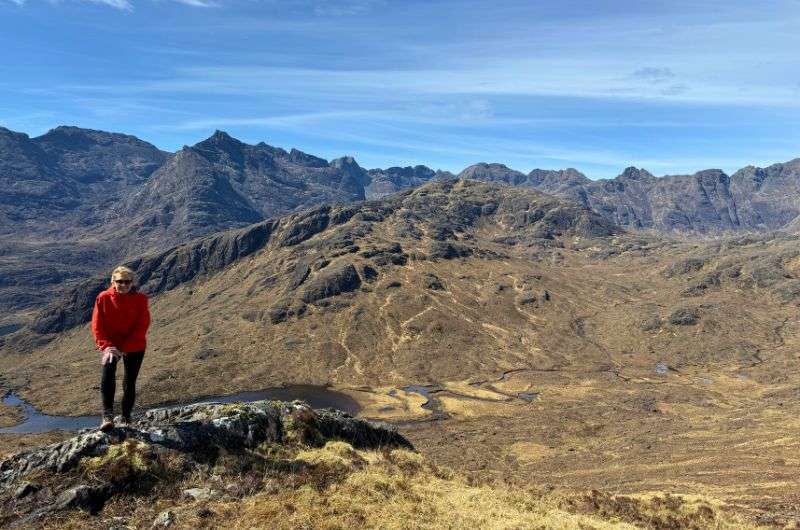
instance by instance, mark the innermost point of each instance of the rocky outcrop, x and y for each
(195, 435)
(332, 281)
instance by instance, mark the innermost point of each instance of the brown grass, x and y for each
(398, 489)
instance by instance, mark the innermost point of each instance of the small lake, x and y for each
(316, 396)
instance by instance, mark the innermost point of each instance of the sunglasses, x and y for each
(123, 282)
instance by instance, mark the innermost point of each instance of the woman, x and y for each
(119, 322)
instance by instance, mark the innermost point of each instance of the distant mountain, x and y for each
(54, 189)
(708, 202)
(384, 182)
(222, 183)
(62, 181)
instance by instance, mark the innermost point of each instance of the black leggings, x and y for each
(108, 383)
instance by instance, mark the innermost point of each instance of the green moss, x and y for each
(125, 461)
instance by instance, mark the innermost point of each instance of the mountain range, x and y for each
(76, 201)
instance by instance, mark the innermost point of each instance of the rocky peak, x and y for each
(8, 133)
(548, 180)
(344, 162)
(493, 172)
(391, 180)
(221, 147)
(634, 173)
(304, 159)
(712, 176)
(353, 173)
(70, 138)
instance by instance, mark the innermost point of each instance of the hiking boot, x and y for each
(108, 424)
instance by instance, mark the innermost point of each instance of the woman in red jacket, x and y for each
(119, 322)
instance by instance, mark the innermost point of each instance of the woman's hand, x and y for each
(110, 354)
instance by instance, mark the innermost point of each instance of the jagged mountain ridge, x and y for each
(707, 202)
(222, 183)
(384, 182)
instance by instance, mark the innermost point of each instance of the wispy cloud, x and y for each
(17, 2)
(342, 8)
(198, 3)
(653, 74)
(117, 4)
(522, 77)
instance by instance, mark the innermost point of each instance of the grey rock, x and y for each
(433, 282)
(87, 498)
(199, 430)
(164, 519)
(201, 494)
(448, 250)
(527, 298)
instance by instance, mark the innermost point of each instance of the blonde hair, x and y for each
(124, 272)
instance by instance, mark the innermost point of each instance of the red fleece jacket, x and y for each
(120, 320)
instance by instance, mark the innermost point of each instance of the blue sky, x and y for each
(673, 87)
